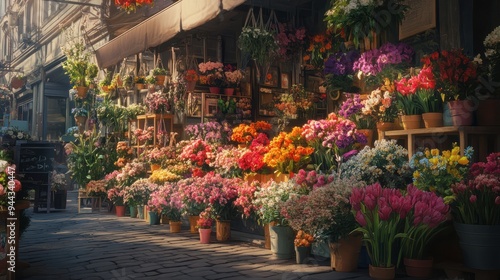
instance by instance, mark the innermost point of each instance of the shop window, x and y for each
(56, 117)
(25, 113)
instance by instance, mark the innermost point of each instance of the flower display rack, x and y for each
(477, 136)
(159, 122)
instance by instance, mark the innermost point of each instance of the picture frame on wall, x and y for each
(272, 77)
(210, 107)
(285, 80)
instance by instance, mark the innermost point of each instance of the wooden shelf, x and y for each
(467, 135)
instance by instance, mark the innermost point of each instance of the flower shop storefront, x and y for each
(310, 179)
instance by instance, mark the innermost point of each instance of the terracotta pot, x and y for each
(120, 210)
(418, 268)
(81, 92)
(140, 86)
(192, 223)
(432, 119)
(175, 226)
(344, 254)
(215, 90)
(385, 126)
(205, 235)
(223, 230)
(411, 121)
(160, 79)
(461, 112)
(369, 136)
(229, 91)
(382, 273)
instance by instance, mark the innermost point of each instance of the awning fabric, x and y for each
(183, 15)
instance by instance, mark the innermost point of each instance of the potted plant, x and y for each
(191, 77)
(213, 74)
(78, 67)
(381, 105)
(139, 82)
(81, 115)
(351, 109)
(302, 242)
(456, 79)
(380, 222)
(422, 223)
(339, 71)
(476, 214)
(233, 79)
(428, 98)
(137, 194)
(269, 201)
(326, 213)
(204, 225)
(105, 83)
(160, 74)
(260, 45)
(407, 98)
(18, 81)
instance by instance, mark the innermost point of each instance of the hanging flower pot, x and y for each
(81, 91)
(17, 82)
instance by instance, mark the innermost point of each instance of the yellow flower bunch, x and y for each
(161, 176)
(288, 152)
(436, 171)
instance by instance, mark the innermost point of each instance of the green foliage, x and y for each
(90, 158)
(77, 66)
(258, 43)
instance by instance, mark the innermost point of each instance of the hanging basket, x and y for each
(17, 82)
(81, 92)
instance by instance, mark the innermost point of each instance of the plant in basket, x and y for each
(436, 171)
(386, 163)
(288, 152)
(331, 139)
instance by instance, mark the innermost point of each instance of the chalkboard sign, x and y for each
(34, 157)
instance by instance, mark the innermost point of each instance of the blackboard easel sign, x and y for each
(36, 158)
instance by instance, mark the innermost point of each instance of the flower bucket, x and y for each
(344, 254)
(223, 230)
(154, 218)
(120, 210)
(461, 112)
(205, 234)
(282, 241)
(480, 245)
(193, 219)
(133, 211)
(175, 226)
(140, 212)
(302, 254)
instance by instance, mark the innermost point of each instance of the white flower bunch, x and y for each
(492, 42)
(234, 77)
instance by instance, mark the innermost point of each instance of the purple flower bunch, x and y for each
(341, 63)
(211, 132)
(351, 106)
(374, 61)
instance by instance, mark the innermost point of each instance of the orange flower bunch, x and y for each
(125, 153)
(288, 152)
(191, 75)
(132, 5)
(320, 48)
(245, 133)
(303, 239)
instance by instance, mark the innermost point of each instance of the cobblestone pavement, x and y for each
(68, 245)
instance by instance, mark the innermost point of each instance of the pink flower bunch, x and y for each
(143, 135)
(477, 199)
(211, 67)
(246, 195)
(158, 155)
(312, 179)
(157, 102)
(193, 195)
(225, 162)
(198, 152)
(290, 40)
(131, 172)
(115, 195)
(166, 199)
(421, 224)
(331, 137)
(380, 212)
(138, 192)
(252, 159)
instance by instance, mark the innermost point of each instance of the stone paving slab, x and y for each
(67, 245)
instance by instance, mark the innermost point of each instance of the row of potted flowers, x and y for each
(205, 175)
